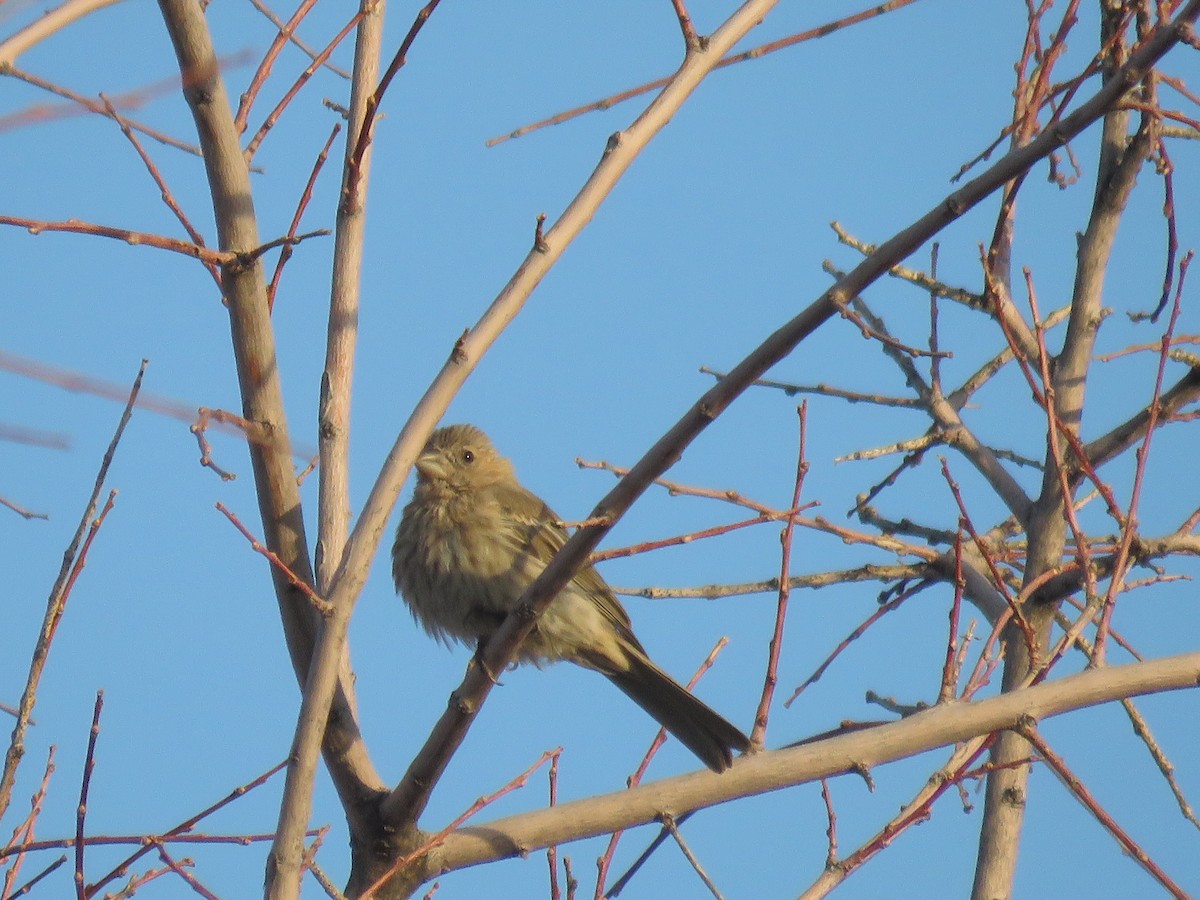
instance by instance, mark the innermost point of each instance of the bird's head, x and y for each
(462, 459)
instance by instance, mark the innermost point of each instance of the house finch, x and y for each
(473, 539)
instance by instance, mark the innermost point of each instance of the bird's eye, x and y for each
(468, 456)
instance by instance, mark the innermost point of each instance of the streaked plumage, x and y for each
(469, 543)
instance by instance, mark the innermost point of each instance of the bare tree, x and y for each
(1044, 561)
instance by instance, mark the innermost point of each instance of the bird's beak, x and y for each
(430, 466)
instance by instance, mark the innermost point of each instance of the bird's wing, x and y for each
(543, 537)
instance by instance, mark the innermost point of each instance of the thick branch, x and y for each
(1108, 446)
(939, 726)
(262, 403)
(450, 730)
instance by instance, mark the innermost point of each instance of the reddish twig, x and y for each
(1142, 455)
(165, 192)
(310, 854)
(70, 380)
(1055, 429)
(918, 810)
(179, 867)
(267, 62)
(118, 840)
(674, 488)
(89, 764)
(275, 113)
(73, 561)
(691, 536)
(319, 603)
(22, 836)
(137, 882)
(758, 733)
(249, 257)
(80, 103)
(308, 469)
(831, 854)
(28, 886)
(1028, 730)
(286, 253)
(198, 428)
(307, 50)
(953, 664)
(363, 138)
(963, 646)
(691, 41)
(179, 830)
(1044, 400)
(854, 635)
(753, 53)
(134, 238)
(436, 840)
(604, 862)
(552, 850)
(988, 557)
(988, 659)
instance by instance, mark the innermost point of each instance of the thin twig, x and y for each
(29, 885)
(73, 561)
(1028, 730)
(286, 253)
(89, 764)
(758, 734)
(320, 604)
(120, 101)
(19, 843)
(25, 514)
(669, 822)
(165, 192)
(180, 868)
(179, 832)
(295, 39)
(274, 114)
(134, 238)
(267, 62)
(436, 840)
(605, 860)
(743, 56)
(363, 138)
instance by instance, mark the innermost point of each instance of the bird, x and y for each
(469, 543)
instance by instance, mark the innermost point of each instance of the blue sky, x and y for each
(714, 238)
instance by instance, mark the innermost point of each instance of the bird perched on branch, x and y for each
(472, 539)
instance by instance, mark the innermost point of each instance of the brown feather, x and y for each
(471, 541)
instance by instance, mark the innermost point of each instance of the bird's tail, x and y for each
(698, 727)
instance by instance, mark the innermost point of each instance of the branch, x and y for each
(52, 22)
(275, 479)
(73, 561)
(134, 238)
(744, 56)
(843, 754)
(1107, 447)
(410, 796)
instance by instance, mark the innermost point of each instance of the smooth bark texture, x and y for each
(384, 826)
(940, 726)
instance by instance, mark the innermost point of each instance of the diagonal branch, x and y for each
(857, 751)
(410, 796)
(275, 479)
